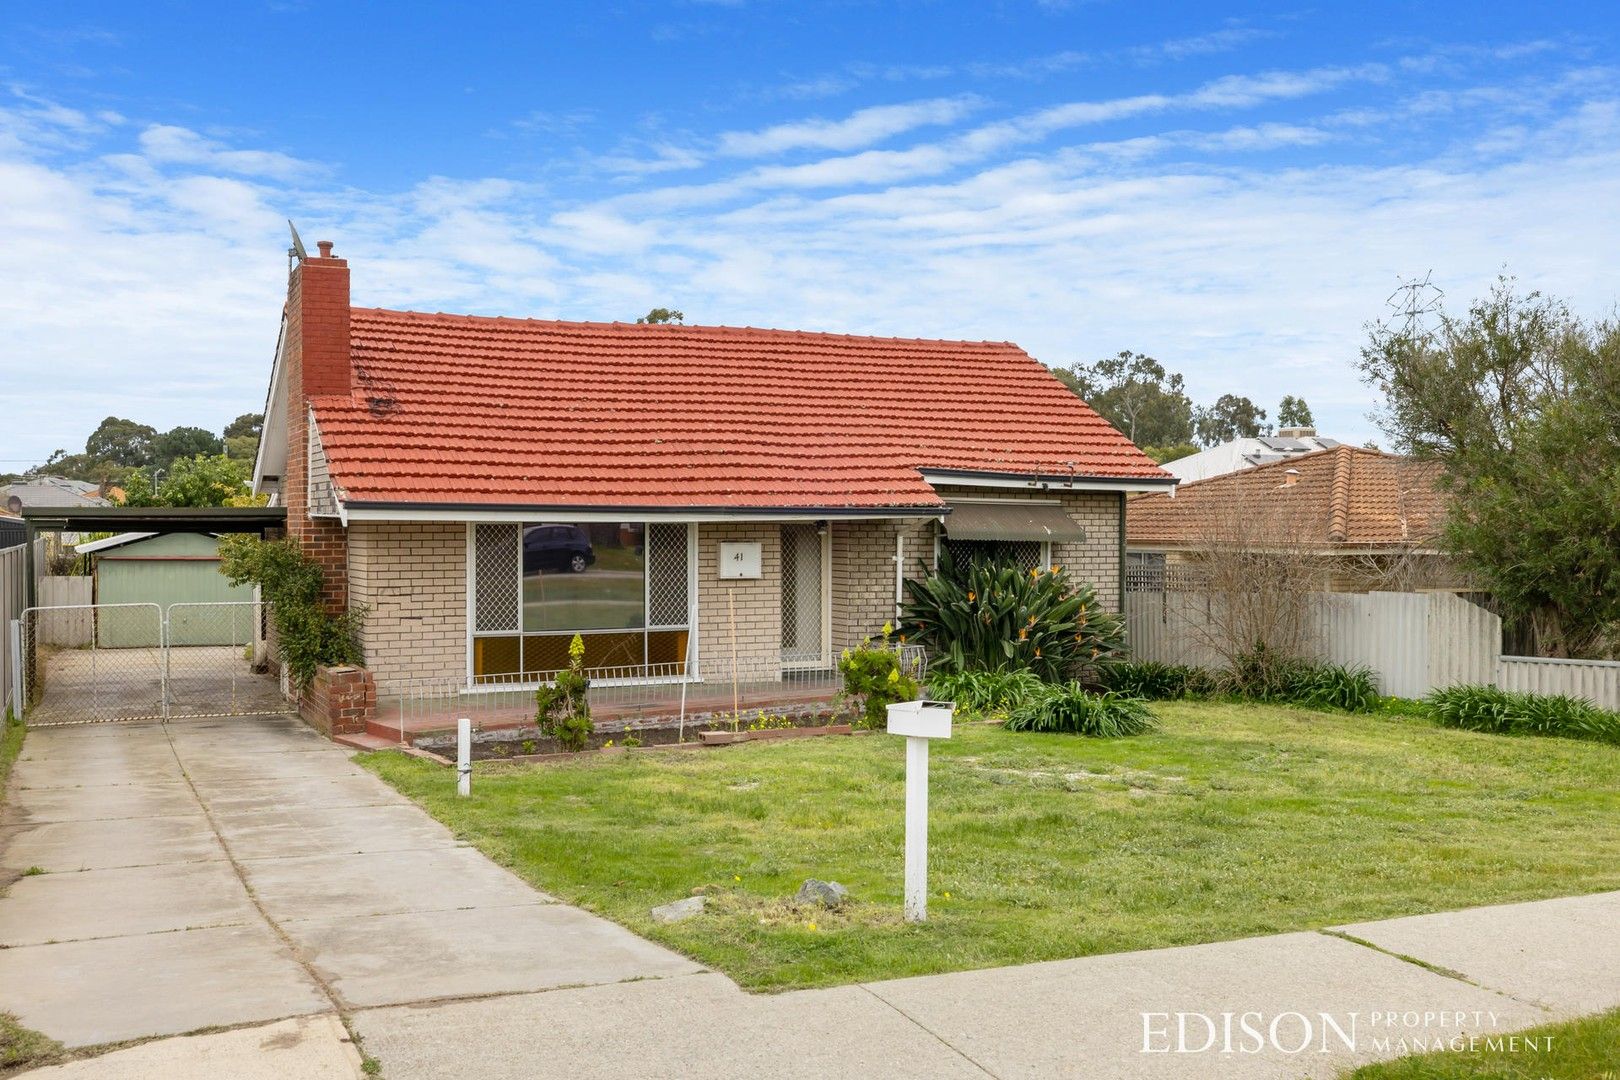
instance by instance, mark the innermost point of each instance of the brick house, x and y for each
(488, 487)
(1358, 520)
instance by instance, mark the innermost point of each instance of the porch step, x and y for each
(367, 740)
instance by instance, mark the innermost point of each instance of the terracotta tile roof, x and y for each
(459, 409)
(1346, 496)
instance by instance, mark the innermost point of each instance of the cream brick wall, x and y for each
(1096, 562)
(413, 578)
(757, 602)
(863, 577)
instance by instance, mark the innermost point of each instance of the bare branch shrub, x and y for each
(1256, 579)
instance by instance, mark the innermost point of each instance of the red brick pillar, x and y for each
(340, 700)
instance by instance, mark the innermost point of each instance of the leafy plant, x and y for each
(874, 680)
(1153, 681)
(1335, 686)
(1263, 674)
(308, 636)
(563, 709)
(985, 616)
(985, 691)
(1506, 712)
(1073, 710)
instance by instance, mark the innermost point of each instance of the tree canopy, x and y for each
(663, 315)
(121, 442)
(1137, 395)
(1231, 417)
(195, 481)
(184, 442)
(1293, 412)
(1150, 405)
(1520, 399)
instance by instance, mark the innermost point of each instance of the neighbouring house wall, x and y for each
(413, 579)
(757, 602)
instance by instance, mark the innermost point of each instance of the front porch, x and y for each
(624, 699)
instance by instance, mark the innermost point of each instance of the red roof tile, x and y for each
(1344, 496)
(460, 409)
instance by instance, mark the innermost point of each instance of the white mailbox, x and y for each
(918, 721)
(921, 719)
(741, 560)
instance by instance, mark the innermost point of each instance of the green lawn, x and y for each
(1234, 820)
(1587, 1049)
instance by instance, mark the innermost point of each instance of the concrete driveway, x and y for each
(228, 871)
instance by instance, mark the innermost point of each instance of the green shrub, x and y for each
(1335, 686)
(984, 616)
(1506, 712)
(1153, 681)
(873, 681)
(1073, 710)
(985, 691)
(563, 709)
(1265, 675)
(308, 636)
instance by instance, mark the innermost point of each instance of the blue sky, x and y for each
(1234, 191)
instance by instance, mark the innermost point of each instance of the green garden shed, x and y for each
(168, 569)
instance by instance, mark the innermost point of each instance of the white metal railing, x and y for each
(629, 690)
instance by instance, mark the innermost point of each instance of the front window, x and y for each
(623, 587)
(1025, 554)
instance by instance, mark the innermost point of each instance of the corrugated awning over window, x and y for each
(1011, 521)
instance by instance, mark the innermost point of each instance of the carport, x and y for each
(131, 656)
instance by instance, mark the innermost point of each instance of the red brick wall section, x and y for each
(317, 362)
(339, 700)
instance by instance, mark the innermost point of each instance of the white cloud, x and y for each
(171, 145)
(146, 269)
(862, 128)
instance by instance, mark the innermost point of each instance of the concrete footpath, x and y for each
(246, 874)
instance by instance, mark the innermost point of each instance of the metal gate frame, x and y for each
(25, 646)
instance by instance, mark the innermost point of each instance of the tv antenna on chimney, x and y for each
(296, 253)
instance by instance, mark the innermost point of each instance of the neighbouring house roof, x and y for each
(1344, 497)
(1244, 454)
(460, 410)
(108, 542)
(54, 491)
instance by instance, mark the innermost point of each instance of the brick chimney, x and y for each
(318, 323)
(317, 364)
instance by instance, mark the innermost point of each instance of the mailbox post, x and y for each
(918, 721)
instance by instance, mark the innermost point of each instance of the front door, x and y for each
(804, 596)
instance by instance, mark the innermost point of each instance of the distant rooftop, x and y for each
(1241, 454)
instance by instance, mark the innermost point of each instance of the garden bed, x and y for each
(701, 729)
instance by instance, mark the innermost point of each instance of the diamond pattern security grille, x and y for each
(1024, 554)
(667, 602)
(497, 579)
(801, 593)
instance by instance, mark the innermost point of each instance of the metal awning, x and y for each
(1011, 520)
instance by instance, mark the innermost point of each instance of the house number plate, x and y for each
(739, 560)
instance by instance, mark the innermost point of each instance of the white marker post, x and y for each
(464, 757)
(918, 721)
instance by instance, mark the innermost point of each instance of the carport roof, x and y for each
(157, 519)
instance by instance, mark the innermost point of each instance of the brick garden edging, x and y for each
(339, 700)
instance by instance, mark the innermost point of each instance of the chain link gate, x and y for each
(93, 663)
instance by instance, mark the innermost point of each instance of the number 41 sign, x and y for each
(739, 560)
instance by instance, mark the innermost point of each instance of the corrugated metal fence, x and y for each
(13, 598)
(1598, 681)
(1416, 642)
